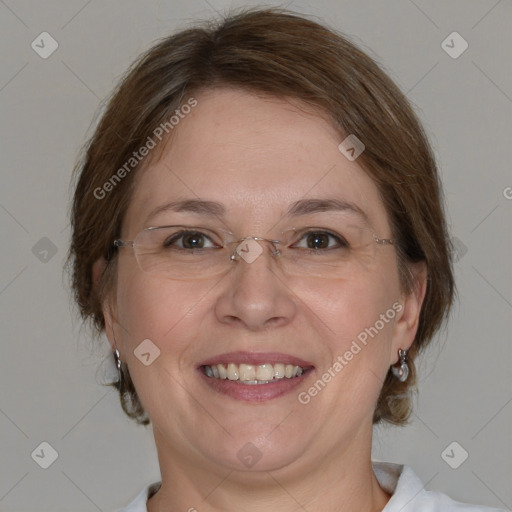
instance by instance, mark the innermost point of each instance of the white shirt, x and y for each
(407, 493)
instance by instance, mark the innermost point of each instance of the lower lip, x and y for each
(254, 392)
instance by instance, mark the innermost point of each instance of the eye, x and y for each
(189, 240)
(316, 240)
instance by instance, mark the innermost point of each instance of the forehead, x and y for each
(256, 156)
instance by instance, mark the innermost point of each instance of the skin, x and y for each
(268, 153)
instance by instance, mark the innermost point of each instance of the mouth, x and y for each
(254, 377)
(251, 374)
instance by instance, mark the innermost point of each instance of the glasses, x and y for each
(189, 252)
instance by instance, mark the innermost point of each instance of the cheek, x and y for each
(169, 314)
(355, 321)
(154, 308)
(354, 326)
(345, 308)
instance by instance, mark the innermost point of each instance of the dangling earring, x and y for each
(117, 359)
(401, 369)
(119, 364)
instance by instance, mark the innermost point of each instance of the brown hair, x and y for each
(279, 53)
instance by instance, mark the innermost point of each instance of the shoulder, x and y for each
(408, 493)
(139, 504)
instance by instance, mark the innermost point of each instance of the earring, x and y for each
(401, 372)
(119, 366)
(117, 358)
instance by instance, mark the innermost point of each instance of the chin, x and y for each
(255, 452)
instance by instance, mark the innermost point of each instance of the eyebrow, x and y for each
(309, 206)
(197, 206)
(296, 209)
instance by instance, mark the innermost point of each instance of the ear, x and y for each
(407, 320)
(108, 305)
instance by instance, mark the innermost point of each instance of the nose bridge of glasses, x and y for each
(250, 247)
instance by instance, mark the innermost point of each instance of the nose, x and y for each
(249, 248)
(256, 296)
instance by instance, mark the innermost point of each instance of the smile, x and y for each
(256, 377)
(252, 374)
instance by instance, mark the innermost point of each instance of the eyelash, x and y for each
(177, 236)
(341, 242)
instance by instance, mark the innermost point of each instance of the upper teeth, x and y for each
(253, 374)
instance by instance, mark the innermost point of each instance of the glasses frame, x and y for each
(234, 255)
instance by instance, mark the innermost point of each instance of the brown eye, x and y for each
(193, 241)
(317, 241)
(320, 240)
(188, 240)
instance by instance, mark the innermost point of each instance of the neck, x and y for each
(337, 484)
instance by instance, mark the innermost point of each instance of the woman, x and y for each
(258, 229)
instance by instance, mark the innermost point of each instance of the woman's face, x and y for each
(262, 161)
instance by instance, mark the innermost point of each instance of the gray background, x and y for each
(49, 378)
